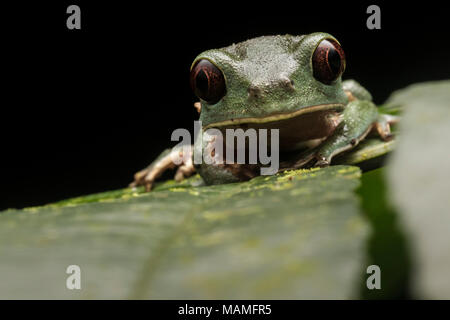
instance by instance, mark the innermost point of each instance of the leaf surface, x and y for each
(295, 235)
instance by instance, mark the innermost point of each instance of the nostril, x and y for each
(254, 92)
(288, 83)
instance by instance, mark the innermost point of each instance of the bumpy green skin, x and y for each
(273, 75)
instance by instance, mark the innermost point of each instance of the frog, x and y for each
(289, 82)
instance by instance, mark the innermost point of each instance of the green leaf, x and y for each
(419, 180)
(295, 235)
(369, 153)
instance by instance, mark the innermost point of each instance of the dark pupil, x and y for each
(201, 82)
(334, 60)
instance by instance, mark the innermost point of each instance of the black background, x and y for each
(82, 110)
(280, 309)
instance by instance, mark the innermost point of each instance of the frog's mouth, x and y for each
(276, 117)
(296, 129)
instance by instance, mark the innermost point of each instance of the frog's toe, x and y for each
(322, 162)
(383, 128)
(139, 178)
(388, 137)
(184, 171)
(148, 185)
(142, 178)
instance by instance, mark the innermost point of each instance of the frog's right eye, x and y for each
(207, 81)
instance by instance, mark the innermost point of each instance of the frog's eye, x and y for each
(207, 81)
(328, 61)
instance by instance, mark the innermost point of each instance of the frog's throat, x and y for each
(277, 116)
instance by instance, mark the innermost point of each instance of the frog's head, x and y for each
(269, 78)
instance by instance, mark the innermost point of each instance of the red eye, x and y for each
(207, 81)
(328, 61)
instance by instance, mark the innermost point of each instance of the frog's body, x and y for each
(290, 83)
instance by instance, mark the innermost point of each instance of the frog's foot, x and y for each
(167, 160)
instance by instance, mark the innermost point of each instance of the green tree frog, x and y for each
(291, 83)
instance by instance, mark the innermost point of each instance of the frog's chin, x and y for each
(275, 117)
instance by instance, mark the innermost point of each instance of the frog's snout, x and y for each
(282, 84)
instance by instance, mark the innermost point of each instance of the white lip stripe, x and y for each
(276, 117)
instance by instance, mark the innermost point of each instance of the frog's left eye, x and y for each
(328, 61)
(207, 81)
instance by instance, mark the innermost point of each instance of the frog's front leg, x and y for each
(358, 119)
(165, 161)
